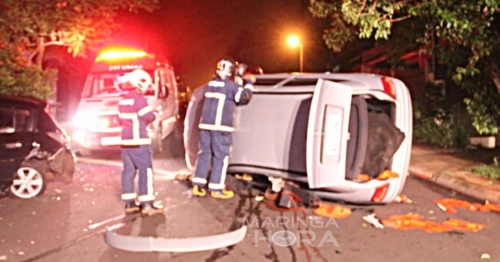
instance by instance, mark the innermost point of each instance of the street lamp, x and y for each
(295, 41)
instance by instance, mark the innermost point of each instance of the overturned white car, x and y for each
(321, 131)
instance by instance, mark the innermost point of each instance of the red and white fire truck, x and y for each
(96, 125)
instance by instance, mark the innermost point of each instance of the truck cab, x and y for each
(96, 126)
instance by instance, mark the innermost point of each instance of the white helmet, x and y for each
(141, 80)
(226, 67)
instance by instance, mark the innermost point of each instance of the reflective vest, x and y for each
(134, 114)
(221, 97)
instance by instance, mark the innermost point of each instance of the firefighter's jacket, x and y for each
(221, 97)
(134, 114)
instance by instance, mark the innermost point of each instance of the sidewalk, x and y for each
(448, 168)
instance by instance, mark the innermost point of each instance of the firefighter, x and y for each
(222, 95)
(135, 114)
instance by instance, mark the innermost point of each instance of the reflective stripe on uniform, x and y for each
(146, 198)
(129, 196)
(135, 126)
(222, 182)
(216, 127)
(199, 180)
(216, 83)
(145, 110)
(132, 142)
(220, 105)
(238, 95)
(126, 102)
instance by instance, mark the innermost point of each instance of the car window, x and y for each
(14, 120)
(47, 123)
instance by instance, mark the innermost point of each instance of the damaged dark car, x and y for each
(35, 149)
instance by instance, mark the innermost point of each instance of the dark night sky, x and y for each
(195, 34)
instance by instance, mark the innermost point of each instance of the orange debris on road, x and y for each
(335, 211)
(415, 221)
(450, 204)
(463, 225)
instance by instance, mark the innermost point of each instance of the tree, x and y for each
(28, 27)
(462, 34)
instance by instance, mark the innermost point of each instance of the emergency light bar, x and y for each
(120, 54)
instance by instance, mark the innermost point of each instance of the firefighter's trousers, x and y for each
(137, 159)
(214, 146)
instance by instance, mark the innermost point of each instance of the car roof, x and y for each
(355, 80)
(23, 100)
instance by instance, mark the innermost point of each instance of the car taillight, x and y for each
(389, 86)
(380, 193)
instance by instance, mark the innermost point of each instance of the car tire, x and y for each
(358, 137)
(30, 179)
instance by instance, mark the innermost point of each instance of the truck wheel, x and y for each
(29, 179)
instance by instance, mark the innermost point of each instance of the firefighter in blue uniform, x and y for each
(135, 114)
(222, 95)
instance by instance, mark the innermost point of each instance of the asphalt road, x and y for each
(67, 223)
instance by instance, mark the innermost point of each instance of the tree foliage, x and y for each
(28, 27)
(464, 35)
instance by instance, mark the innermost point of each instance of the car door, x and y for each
(327, 134)
(167, 99)
(15, 139)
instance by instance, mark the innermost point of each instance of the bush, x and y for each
(435, 123)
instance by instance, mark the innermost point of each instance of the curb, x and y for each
(458, 185)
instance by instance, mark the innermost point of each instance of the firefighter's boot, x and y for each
(148, 209)
(198, 191)
(223, 194)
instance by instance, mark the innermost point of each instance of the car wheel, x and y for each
(157, 141)
(29, 179)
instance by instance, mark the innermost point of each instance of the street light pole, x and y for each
(295, 41)
(301, 50)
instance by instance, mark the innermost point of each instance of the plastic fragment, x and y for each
(485, 256)
(244, 177)
(373, 220)
(387, 174)
(363, 177)
(402, 199)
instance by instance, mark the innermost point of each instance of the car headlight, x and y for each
(85, 120)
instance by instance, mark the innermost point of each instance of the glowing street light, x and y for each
(295, 41)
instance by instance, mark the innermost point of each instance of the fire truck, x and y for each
(96, 125)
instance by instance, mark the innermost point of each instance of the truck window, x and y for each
(105, 83)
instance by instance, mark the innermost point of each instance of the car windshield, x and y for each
(106, 83)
